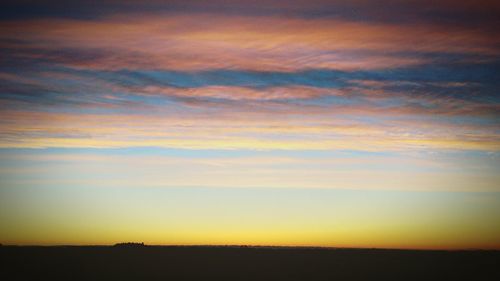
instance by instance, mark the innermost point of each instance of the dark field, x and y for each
(242, 263)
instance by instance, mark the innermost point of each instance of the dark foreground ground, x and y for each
(240, 263)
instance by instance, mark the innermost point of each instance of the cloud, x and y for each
(222, 129)
(241, 93)
(133, 109)
(232, 81)
(194, 42)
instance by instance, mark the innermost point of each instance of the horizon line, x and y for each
(140, 244)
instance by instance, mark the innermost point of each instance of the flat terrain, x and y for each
(243, 263)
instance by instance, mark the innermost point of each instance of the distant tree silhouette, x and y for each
(129, 244)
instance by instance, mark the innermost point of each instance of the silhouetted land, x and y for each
(137, 262)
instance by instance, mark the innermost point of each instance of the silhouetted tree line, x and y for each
(129, 244)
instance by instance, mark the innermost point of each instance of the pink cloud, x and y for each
(201, 41)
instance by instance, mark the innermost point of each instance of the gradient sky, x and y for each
(322, 123)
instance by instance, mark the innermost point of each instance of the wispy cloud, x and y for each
(192, 42)
(226, 80)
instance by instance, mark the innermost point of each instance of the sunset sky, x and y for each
(308, 123)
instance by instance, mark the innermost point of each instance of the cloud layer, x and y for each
(191, 77)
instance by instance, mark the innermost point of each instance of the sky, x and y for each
(291, 123)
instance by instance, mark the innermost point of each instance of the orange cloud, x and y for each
(256, 131)
(241, 93)
(200, 42)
